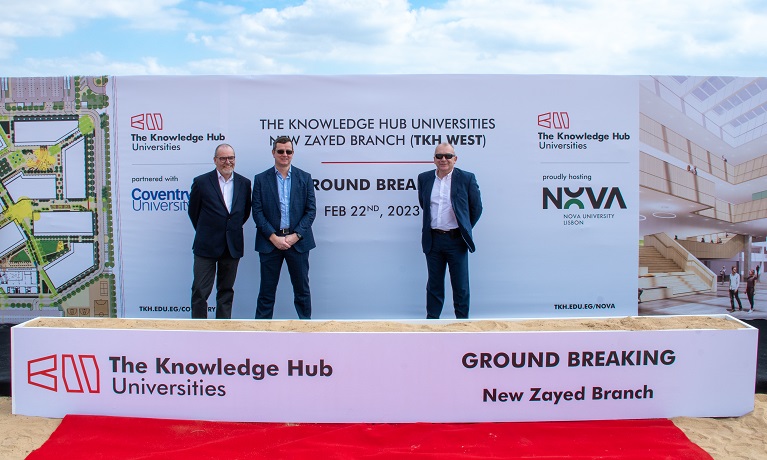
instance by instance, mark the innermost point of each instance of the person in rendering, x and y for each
(451, 205)
(284, 209)
(219, 205)
(751, 288)
(734, 284)
(722, 273)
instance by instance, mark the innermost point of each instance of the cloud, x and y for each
(256, 65)
(56, 18)
(391, 36)
(219, 8)
(484, 36)
(95, 64)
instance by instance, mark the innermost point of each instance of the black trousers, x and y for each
(734, 294)
(298, 268)
(224, 270)
(447, 252)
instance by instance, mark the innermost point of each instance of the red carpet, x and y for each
(114, 438)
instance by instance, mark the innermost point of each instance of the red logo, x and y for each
(147, 121)
(556, 120)
(78, 372)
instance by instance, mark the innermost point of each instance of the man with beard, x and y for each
(219, 205)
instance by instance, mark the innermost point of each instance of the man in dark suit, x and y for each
(451, 206)
(219, 205)
(284, 209)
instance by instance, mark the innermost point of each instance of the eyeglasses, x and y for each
(447, 156)
(283, 152)
(225, 159)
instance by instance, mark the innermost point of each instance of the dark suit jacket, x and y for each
(266, 208)
(215, 227)
(466, 200)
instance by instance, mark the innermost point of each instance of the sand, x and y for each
(730, 438)
(628, 323)
(724, 438)
(20, 434)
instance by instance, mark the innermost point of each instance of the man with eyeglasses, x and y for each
(451, 205)
(284, 209)
(219, 205)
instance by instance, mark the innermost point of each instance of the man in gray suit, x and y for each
(284, 209)
(219, 205)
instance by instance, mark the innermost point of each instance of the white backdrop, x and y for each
(521, 134)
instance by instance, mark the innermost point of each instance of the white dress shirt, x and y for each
(442, 215)
(227, 189)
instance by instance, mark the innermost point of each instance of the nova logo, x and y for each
(603, 200)
(556, 120)
(147, 121)
(78, 373)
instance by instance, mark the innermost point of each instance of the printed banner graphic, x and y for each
(557, 168)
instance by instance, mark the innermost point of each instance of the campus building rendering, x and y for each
(55, 247)
(703, 197)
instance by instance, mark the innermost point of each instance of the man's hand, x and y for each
(292, 239)
(280, 242)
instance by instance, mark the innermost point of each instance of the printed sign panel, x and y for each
(556, 159)
(383, 377)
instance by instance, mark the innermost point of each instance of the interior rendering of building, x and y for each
(703, 194)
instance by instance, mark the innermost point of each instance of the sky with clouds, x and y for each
(338, 37)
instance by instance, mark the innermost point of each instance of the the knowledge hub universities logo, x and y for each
(163, 141)
(147, 121)
(554, 120)
(556, 134)
(78, 373)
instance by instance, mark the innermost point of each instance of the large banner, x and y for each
(556, 158)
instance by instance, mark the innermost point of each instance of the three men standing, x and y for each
(219, 205)
(451, 205)
(284, 208)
